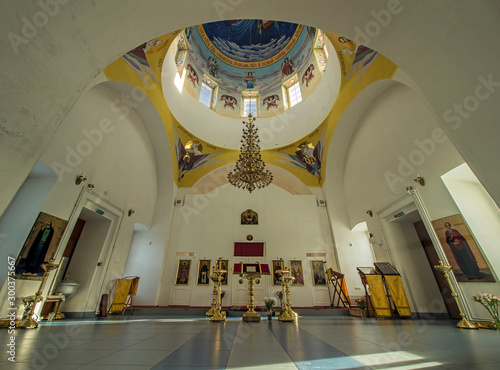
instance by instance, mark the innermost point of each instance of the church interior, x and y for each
(167, 159)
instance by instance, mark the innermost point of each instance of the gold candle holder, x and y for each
(251, 314)
(29, 322)
(287, 314)
(464, 323)
(218, 315)
(211, 311)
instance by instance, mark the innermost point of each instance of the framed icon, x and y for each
(318, 272)
(203, 272)
(464, 255)
(277, 265)
(40, 245)
(297, 272)
(223, 265)
(182, 277)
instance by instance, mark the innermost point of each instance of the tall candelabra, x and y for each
(464, 323)
(211, 311)
(251, 314)
(253, 272)
(218, 275)
(287, 314)
(29, 322)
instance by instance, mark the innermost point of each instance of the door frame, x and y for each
(92, 201)
(414, 197)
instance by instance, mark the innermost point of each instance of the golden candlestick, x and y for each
(287, 314)
(217, 277)
(214, 297)
(253, 272)
(251, 314)
(29, 322)
(464, 323)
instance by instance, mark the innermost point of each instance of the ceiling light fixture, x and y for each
(250, 170)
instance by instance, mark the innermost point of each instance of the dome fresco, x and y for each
(250, 58)
(170, 69)
(248, 40)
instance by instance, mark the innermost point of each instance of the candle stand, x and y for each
(287, 314)
(218, 275)
(464, 323)
(29, 322)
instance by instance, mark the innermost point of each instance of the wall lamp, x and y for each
(80, 179)
(420, 180)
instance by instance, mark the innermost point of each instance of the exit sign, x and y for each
(99, 211)
(399, 214)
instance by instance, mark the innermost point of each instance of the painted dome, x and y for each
(250, 58)
(266, 68)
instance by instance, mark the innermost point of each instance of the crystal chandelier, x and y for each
(250, 170)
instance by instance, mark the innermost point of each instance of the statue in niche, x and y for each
(249, 217)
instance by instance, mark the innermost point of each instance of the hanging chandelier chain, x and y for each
(250, 172)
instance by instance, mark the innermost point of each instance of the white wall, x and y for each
(209, 224)
(104, 139)
(147, 253)
(145, 261)
(397, 139)
(333, 188)
(483, 218)
(359, 253)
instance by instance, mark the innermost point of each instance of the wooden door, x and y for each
(432, 257)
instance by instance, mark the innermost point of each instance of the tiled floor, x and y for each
(318, 342)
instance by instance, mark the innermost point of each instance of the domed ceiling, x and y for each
(250, 58)
(238, 59)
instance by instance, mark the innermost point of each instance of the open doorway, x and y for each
(86, 260)
(83, 264)
(433, 258)
(401, 224)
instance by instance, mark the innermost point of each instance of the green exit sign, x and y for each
(99, 211)
(399, 214)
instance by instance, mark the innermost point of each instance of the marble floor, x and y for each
(314, 342)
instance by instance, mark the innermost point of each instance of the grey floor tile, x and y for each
(129, 358)
(114, 367)
(311, 343)
(259, 358)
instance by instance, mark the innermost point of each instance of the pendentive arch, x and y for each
(57, 79)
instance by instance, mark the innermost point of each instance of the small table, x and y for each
(56, 314)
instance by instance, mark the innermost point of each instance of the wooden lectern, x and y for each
(395, 291)
(126, 289)
(339, 288)
(378, 296)
(253, 272)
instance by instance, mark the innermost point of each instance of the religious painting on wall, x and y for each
(463, 254)
(297, 272)
(307, 156)
(203, 272)
(223, 265)
(249, 217)
(277, 265)
(318, 272)
(40, 245)
(182, 277)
